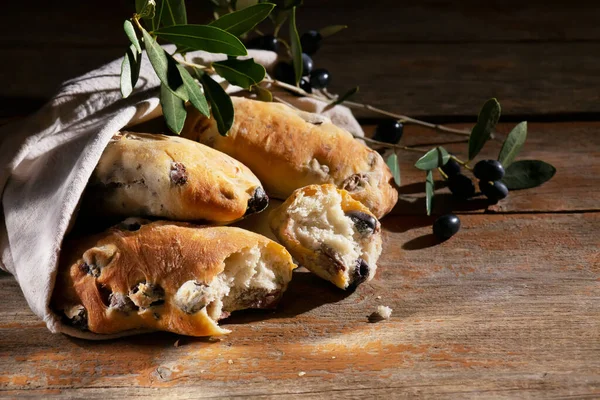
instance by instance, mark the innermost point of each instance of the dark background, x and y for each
(435, 59)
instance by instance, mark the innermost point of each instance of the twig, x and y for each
(202, 67)
(437, 127)
(390, 145)
(352, 104)
(282, 101)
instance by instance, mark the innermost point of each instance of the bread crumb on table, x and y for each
(229, 362)
(380, 314)
(301, 373)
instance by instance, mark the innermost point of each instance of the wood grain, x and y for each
(508, 308)
(499, 310)
(573, 148)
(440, 58)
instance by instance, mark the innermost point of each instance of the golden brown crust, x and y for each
(325, 261)
(103, 273)
(289, 149)
(170, 177)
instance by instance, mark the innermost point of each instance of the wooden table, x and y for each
(508, 308)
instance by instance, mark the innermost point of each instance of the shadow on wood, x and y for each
(295, 300)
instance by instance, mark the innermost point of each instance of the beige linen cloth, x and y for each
(48, 158)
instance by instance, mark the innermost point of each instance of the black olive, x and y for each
(446, 226)
(488, 170)
(365, 224)
(258, 202)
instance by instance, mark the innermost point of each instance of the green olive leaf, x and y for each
(173, 109)
(394, 166)
(147, 10)
(331, 30)
(263, 94)
(130, 32)
(243, 73)
(165, 66)
(525, 174)
(486, 122)
(130, 70)
(429, 189)
(194, 92)
(239, 22)
(513, 143)
(434, 158)
(278, 18)
(296, 47)
(203, 37)
(173, 12)
(221, 105)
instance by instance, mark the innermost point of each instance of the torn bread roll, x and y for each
(167, 276)
(169, 177)
(288, 149)
(329, 233)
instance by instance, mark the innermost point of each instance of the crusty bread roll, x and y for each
(173, 178)
(167, 276)
(288, 149)
(329, 233)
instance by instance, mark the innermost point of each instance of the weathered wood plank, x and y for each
(414, 79)
(439, 58)
(388, 21)
(573, 148)
(508, 307)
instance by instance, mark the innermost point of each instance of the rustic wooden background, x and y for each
(508, 308)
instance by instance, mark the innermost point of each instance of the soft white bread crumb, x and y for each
(384, 312)
(319, 223)
(247, 277)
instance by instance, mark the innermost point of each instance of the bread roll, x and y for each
(173, 178)
(288, 149)
(329, 233)
(167, 276)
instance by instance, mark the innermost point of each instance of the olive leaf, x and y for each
(147, 10)
(239, 22)
(165, 66)
(173, 109)
(194, 92)
(161, 12)
(243, 73)
(331, 30)
(513, 143)
(203, 37)
(394, 165)
(341, 98)
(130, 70)
(429, 189)
(296, 47)
(263, 94)
(279, 19)
(130, 32)
(486, 122)
(434, 158)
(173, 12)
(525, 174)
(220, 103)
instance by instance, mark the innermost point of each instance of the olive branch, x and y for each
(166, 20)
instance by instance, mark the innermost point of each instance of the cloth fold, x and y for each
(47, 159)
